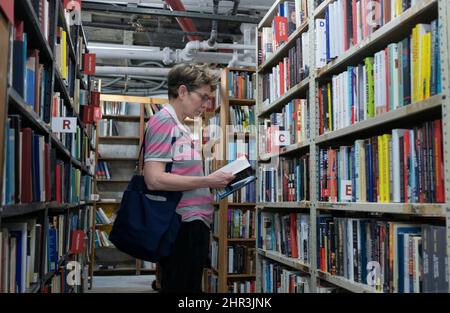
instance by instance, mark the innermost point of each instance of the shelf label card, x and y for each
(64, 124)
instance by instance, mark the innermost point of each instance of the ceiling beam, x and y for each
(89, 6)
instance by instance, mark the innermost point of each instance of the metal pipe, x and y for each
(142, 71)
(186, 24)
(137, 77)
(235, 7)
(114, 81)
(212, 39)
(233, 46)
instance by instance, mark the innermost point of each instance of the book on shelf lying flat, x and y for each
(244, 175)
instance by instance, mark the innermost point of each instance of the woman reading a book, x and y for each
(168, 139)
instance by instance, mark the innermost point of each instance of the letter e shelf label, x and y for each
(64, 124)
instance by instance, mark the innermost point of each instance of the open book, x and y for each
(244, 173)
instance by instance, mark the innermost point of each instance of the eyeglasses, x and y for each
(203, 97)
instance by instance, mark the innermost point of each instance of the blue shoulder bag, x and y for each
(146, 225)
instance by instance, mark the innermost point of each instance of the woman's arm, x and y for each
(157, 179)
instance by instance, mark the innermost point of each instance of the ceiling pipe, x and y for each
(136, 77)
(213, 38)
(167, 55)
(140, 71)
(235, 7)
(186, 23)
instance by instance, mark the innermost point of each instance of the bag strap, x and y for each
(141, 154)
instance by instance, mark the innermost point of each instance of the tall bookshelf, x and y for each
(119, 152)
(408, 116)
(46, 180)
(229, 213)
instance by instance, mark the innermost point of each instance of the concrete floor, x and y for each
(123, 284)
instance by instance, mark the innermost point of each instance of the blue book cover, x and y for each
(29, 93)
(327, 32)
(52, 249)
(400, 252)
(19, 65)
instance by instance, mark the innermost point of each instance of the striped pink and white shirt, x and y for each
(187, 161)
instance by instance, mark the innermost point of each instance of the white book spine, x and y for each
(321, 44)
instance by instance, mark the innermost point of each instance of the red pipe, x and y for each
(186, 23)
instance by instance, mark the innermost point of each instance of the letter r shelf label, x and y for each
(64, 124)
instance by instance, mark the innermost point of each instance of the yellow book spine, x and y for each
(387, 161)
(64, 55)
(398, 7)
(426, 65)
(380, 169)
(415, 67)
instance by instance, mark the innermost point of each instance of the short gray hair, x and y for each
(193, 76)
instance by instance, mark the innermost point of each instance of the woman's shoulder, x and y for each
(162, 116)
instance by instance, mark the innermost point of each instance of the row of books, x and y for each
(102, 218)
(108, 127)
(121, 108)
(41, 8)
(347, 24)
(103, 170)
(292, 123)
(403, 166)
(240, 223)
(241, 85)
(290, 15)
(287, 181)
(29, 75)
(389, 256)
(287, 234)
(244, 195)
(289, 72)
(63, 62)
(26, 253)
(241, 117)
(241, 259)
(101, 239)
(247, 286)
(403, 73)
(86, 187)
(33, 171)
(276, 278)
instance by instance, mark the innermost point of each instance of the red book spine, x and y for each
(95, 98)
(355, 26)
(294, 238)
(281, 78)
(58, 184)
(346, 39)
(7, 6)
(440, 193)
(48, 194)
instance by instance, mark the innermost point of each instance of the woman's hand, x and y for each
(219, 179)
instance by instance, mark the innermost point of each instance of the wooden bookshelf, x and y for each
(120, 176)
(437, 106)
(78, 205)
(222, 207)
